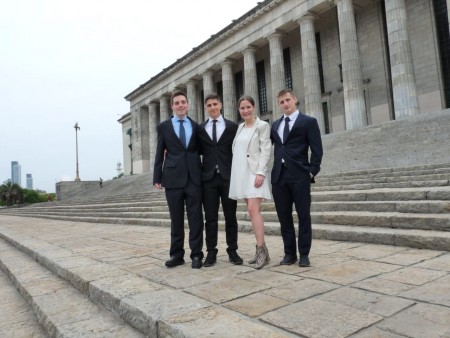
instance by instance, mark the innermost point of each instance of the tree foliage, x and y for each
(11, 193)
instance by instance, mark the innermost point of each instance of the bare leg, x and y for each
(253, 208)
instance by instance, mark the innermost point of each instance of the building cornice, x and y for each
(260, 9)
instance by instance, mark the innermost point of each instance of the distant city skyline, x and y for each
(16, 173)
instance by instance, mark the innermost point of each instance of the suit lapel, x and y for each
(275, 127)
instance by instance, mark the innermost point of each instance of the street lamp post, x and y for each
(77, 178)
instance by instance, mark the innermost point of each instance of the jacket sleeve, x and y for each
(159, 157)
(315, 144)
(264, 147)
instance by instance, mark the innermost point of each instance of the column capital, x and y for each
(250, 49)
(228, 61)
(192, 82)
(308, 16)
(208, 72)
(276, 34)
(151, 102)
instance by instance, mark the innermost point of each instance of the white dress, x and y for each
(242, 179)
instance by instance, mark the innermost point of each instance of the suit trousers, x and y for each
(294, 188)
(216, 191)
(191, 195)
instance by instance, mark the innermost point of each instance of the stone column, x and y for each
(153, 121)
(141, 144)
(250, 78)
(164, 108)
(208, 84)
(403, 86)
(229, 91)
(276, 67)
(191, 89)
(311, 78)
(354, 103)
(208, 88)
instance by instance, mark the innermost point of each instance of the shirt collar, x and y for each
(293, 116)
(219, 119)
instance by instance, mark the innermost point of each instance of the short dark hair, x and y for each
(212, 96)
(246, 98)
(178, 94)
(286, 91)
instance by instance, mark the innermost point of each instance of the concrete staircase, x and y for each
(407, 206)
(60, 308)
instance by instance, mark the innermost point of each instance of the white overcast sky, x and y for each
(67, 61)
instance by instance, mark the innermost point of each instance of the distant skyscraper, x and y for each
(16, 172)
(29, 181)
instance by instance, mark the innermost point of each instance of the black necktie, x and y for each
(214, 131)
(182, 133)
(286, 129)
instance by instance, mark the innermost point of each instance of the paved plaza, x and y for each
(350, 290)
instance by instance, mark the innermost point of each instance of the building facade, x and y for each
(16, 173)
(29, 181)
(352, 64)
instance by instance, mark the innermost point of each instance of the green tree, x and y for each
(11, 193)
(32, 196)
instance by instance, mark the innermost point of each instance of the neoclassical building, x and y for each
(352, 64)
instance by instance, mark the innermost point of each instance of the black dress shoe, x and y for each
(304, 261)
(288, 260)
(211, 258)
(196, 263)
(234, 258)
(174, 261)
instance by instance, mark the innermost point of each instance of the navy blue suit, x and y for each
(291, 180)
(179, 172)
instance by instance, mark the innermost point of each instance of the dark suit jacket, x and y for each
(304, 136)
(220, 153)
(173, 170)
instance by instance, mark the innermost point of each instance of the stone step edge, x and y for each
(396, 220)
(104, 318)
(403, 208)
(414, 238)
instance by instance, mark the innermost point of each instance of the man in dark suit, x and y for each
(216, 139)
(177, 169)
(293, 135)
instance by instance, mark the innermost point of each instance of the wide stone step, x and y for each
(366, 186)
(386, 194)
(416, 180)
(411, 237)
(17, 319)
(61, 309)
(442, 168)
(151, 307)
(363, 218)
(424, 207)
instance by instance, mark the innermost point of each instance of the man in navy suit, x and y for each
(293, 135)
(216, 137)
(177, 169)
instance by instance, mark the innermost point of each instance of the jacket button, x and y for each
(248, 155)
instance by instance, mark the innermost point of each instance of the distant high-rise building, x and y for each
(16, 172)
(29, 181)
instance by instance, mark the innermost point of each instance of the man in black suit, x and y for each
(293, 135)
(177, 169)
(216, 139)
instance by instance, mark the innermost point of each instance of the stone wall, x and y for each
(423, 139)
(67, 189)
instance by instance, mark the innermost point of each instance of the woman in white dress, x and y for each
(249, 171)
